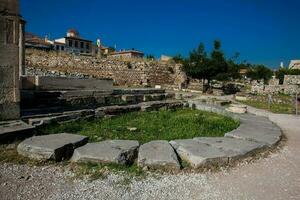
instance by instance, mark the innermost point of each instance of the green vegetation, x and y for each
(147, 126)
(284, 71)
(215, 66)
(285, 108)
(258, 72)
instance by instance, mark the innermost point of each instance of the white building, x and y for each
(294, 64)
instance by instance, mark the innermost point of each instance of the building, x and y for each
(33, 41)
(126, 54)
(165, 58)
(73, 43)
(294, 64)
(12, 58)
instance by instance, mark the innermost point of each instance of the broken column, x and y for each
(11, 58)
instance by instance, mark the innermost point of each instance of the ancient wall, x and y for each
(135, 72)
(291, 80)
(11, 27)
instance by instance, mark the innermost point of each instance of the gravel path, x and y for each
(274, 177)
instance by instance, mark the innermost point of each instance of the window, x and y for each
(62, 48)
(87, 46)
(76, 44)
(70, 43)
(81, 45)
(57, 47)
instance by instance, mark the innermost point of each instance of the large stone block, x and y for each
(51, 147)
(110, 151)
(11, 130)
(234, 148)
(198, 154)
(158, 155)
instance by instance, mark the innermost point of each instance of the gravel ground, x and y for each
(274, 177)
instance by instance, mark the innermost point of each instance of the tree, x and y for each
(284, 71)
(258, 72)
(179, 59)
(201, 66)
(150, 57)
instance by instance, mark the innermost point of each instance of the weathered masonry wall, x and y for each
(11, 60)
(125, 73)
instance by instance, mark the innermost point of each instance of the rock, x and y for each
(237, 108)
(232, 147)
(158, 154)
(51, 147)
(110, 151)
(132, 129)
(198, 154)
(270, 135)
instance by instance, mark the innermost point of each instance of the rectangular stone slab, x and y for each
(233, 147)
(198, 154)
(109, 151)
(51, 147)
(10, 130)
(256, 133)
(158, 154)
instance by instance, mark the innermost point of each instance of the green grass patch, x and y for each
(147, 126)
(274, 107)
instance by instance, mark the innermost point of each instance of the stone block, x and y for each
(51, 147)
(198, 154)
(234, 148)
(158, 154)
(110, 151)
(11, 130)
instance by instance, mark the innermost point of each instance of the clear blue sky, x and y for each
(262, 31)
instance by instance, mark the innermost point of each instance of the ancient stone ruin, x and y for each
(11, 58)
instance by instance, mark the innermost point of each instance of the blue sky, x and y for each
(262, 31)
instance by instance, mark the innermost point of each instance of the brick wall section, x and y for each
(125, 73)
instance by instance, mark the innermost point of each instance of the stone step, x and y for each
(51, 147)
(199, 154)
(42, 119)
(234, 147)
(137, 91)
(122, 152)
(14, 129)
(158, 154)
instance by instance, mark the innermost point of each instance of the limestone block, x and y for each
(110, 151)
(51, 147)
(198, 154)
(158, 154)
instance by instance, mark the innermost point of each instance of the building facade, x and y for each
(126, 54)
(12, 58)
(294, 64)
(73, 43)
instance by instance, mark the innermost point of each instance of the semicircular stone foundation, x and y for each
(254, 134)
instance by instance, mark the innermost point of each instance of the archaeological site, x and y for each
(84, 120)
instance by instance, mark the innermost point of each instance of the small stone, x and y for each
(132, 129)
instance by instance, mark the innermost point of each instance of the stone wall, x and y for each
(134, 72)
(291, 80)
(11, 45)
(290, 86)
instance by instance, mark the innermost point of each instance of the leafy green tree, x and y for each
(201, 66)
(258, 72)
(284, 71)
(179, 59)
(150, 57)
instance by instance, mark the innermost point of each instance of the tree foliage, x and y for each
(284, 71)
(258, 72)
(202, 65)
